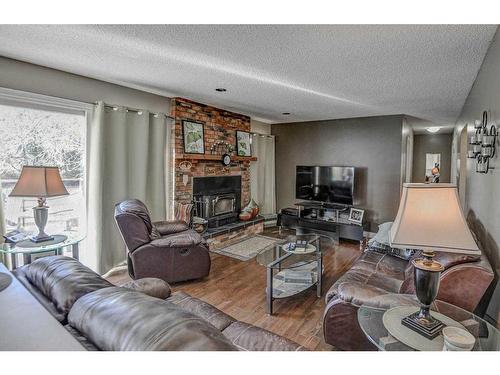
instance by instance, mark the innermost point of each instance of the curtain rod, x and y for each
(263, 135)
(130, 109)
(136, 110)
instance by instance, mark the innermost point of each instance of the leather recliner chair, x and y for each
(167, 250)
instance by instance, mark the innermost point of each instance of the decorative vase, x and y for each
(252, 208)
(245, 216)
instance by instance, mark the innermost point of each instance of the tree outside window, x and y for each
(38, 137)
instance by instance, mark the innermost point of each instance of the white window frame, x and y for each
(26, 99)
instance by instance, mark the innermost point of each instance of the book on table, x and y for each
(297, 277)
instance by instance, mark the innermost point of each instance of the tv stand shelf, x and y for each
(332, 206)
(336, 227)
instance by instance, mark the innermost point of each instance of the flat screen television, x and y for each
(325, 184)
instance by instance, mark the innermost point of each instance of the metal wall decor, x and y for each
(227, 150)
(483, 143)
(227, 147)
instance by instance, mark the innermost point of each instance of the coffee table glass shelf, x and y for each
(386, 332)
(290, 270)
(28, 251)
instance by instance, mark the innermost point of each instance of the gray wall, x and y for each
(40, 80)
(482, 204)
(372, 144)
(435, 144)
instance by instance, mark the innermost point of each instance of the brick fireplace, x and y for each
(219, 125)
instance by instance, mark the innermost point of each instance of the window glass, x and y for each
(31, 136)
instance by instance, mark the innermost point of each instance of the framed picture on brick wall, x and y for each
(194, 137)
(243, 143)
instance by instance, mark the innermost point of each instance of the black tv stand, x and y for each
(312, 217)
(312, 204)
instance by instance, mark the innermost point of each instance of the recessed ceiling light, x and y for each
(433, 129)
(220, 89)
(286, 113)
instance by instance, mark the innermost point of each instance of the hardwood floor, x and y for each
(238, 289)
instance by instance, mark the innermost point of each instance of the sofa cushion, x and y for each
(373, 272)
(202, 309)
(151, 286)
(120, 319)
(251, 338)
(20, 274)
(63, 280)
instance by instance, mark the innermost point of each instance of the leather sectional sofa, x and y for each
(140, 315)
(463, 283)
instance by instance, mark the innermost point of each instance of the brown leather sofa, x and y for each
(463, 283)
(141, 315)
(167, 250)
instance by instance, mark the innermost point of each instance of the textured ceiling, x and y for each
(314, 72)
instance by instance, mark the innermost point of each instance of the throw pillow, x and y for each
(382, 235)
(405, 254)
(182, 211)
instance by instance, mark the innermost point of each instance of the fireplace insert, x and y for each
(217, 199)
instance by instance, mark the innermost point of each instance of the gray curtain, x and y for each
(127, 159)
(2, 213)
(2, 223)
(262, 176)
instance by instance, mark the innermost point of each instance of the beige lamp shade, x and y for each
(430, 218)
(40, 182)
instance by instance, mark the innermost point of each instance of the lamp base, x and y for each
(41, 215)
(41, 238)
(428, 327)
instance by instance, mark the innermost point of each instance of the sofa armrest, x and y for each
(151, 286)
(169, 227)
(184, 239)
(465, 284)
(358, 294)
(341, 328)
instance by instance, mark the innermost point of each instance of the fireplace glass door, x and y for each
(223, 204)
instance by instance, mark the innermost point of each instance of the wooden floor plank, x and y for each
(238, 289)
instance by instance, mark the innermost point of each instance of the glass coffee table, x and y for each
(291, 271)
(371, 321)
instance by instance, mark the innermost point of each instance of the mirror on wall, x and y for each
(432, 167)
(432, 157)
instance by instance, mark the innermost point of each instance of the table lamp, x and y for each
(39, 182)
(430, 219)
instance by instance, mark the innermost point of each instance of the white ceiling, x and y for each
(313, 71)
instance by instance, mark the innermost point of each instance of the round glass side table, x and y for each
(29, 253)
(370, 318)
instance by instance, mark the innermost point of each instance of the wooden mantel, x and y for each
(214, 157)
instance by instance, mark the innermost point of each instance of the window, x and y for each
(34, 135)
